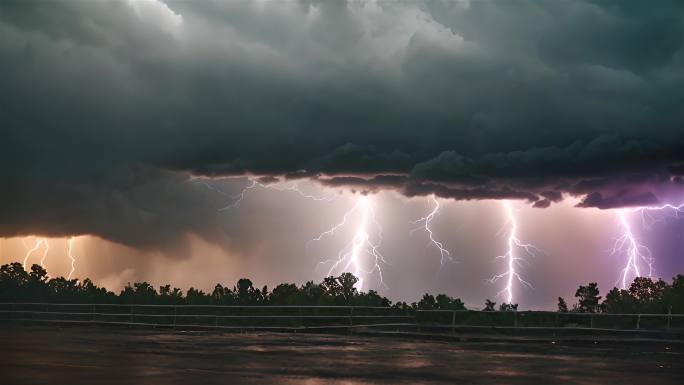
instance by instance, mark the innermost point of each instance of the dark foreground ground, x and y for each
(96, 355)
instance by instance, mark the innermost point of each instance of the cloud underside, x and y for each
(107, 107)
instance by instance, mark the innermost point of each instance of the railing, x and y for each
(210, 316)
(330, 317)
(548, 320)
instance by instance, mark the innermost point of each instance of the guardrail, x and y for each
(550, 320)
(328, 317)
(210, 316)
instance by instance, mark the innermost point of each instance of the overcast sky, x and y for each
(569, 109)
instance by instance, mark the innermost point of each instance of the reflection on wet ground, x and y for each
(54, 355)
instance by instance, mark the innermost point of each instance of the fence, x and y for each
(330, 317)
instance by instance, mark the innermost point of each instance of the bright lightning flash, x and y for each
(71, 257)
(425, 225)
(511, 257)
(635, 252)
(45, 252)
(46, 249)
(647, 218)
(237, 198)
(39, 242)
(353, 256)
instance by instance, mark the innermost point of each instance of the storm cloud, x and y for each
(107, 107)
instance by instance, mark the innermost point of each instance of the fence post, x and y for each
(216, 319)
(92, 319)
(638, 320)
(415, 315)
(669, 317)
(515, 319)
(351, 318)
(130, 322)
(591, 321)
(408, 317)
(174, 316)
(301, 318)
(453, 322)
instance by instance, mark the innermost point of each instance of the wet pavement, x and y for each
(95, 355)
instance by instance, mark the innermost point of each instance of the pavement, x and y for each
(49, 354)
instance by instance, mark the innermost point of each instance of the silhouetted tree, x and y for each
(246, 293)
(287, 294)
(90, 293)
(588, 298)
(220, 295)
(18, 285)
(618, 301)
(197, 297)
(313, 294)
(371, 298)
(341, 288)
(347, 282)
(139, 293)
(649, 295)
(508, 307)
(445, 302)
(168, 296)
(427, 302)
(64, 290)
(562, 305)
(13, 280)
(675, 295)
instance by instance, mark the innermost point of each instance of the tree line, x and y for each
(644, 295)
(18, 285)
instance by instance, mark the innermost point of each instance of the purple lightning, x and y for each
(425, 225)
(512, 259)
(636, 253)
(363, 245)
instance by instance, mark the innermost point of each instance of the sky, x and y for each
(130, 125)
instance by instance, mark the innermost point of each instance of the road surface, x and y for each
(103, 356)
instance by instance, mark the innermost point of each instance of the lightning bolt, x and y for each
(71, 257)
(646, 215)
(295, 187)
(45, 252)
(511, 257)
(36, 246)
(426, 221)
(353, 255)
(628, 244)
(239, 197)
(635, 251)
(44, 242)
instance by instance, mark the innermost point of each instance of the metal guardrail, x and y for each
(555, 320)
(328, 317)
(210, 316)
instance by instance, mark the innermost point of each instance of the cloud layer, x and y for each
(105, 106)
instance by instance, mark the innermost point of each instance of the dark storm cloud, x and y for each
(147, 208)
(466, 100)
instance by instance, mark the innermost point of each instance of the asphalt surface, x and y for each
(98, 356)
